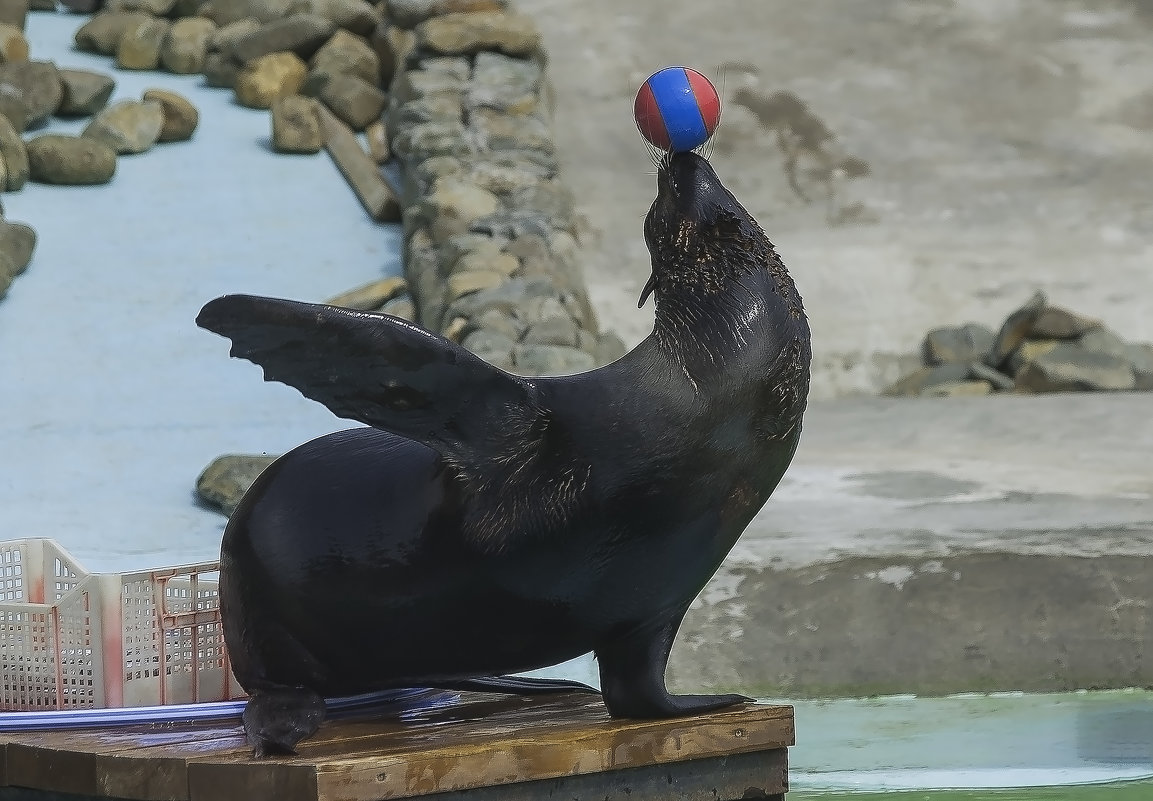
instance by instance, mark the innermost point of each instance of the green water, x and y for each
(1120, 791)
(1084, 746)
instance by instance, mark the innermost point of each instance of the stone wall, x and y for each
(491, 250)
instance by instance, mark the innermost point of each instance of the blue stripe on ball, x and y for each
(678, 107)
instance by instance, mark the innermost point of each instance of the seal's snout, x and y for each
(691, 187)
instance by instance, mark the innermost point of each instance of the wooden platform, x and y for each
(471, 748)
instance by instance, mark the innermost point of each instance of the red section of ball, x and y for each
(648, 117)
(708, 101)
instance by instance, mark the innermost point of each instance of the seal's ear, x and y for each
(376, 369)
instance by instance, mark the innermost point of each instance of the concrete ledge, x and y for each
(942, 546)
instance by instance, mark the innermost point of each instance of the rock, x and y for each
(269, 77)
(1141, 357)
(919, 380)
(269, 10)
(102, 33)
(392, 46)
(401, 307)
(504, 264)
(500, 323)
(492, 346)
(73, 160)
(188, 8)
(953, 345)
(180, 116)
(157, 8)
(224, 37)
(410, 13)
(37, 85)
(7, 274)
(42, 5)
(465, 283)
(347, 54)
(13, 45)
(1014, 330)
(957, 389)
(295, 126)
(454, 34)
(504, 176)
(513, 224)
(519, 298)
(14, 12)
(12, 107)
(84, 92)
(224, 482)
(505, 83)
(377, 137)
(128, 126)
(496, 130)
(1058, 323)
(355, 16)
(983, 372)
(551, 198)
(302, 34)
(417, 83)
(455, 330)
(17, 242)
(1068, 367)
(140, 47)
(355, 101)
(559, 330)
(220, 71)
(186, 45)
(1029, 350)
(551, 360)
(609, 348)
(370, 296)
(1102, 340)
(14, 155)
(453, 205)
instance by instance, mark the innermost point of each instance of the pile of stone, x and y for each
(490, 236)
(1039, 348)
(31, 92)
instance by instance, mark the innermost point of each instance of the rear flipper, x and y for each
(633, 677)
(522, 685)
(275, 720)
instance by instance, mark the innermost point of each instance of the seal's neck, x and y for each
(723, 294)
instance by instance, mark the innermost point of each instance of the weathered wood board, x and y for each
(467, 747)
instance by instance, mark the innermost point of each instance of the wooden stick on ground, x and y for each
(358, 168)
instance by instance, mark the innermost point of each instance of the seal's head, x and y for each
(699, 236)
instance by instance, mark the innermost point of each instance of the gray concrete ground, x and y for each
(1011, 145)
(940, 546)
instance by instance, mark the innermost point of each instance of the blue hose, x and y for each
(194, 713)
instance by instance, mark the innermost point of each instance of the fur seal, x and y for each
(486, 524)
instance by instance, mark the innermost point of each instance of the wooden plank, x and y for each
(536, 755)
(358, 168)
(759, 774)
(549, 739)
(87, 759)
(460, 747)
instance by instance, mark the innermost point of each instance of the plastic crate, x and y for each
(70, 639)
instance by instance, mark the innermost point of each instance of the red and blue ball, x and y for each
(677, 109)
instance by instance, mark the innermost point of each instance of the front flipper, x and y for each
(633, 677)
(377, 369)
(276, 719)
(522, 685)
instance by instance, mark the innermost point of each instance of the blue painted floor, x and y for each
(111, 399)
